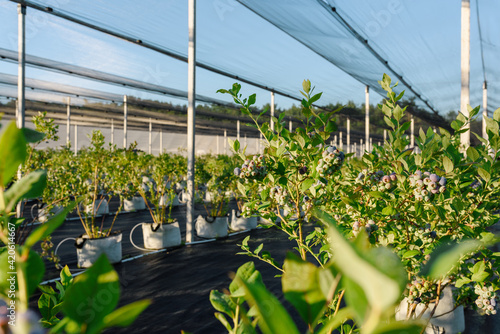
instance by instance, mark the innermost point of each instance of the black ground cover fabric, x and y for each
(179, 281)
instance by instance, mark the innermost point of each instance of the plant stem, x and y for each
(338, 303)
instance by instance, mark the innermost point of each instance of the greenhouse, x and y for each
(247, 166)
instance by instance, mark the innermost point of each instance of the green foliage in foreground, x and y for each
(22, 268)
(417, 217)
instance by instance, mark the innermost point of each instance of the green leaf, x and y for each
(258, 249)
(93, 295)
(496, 115)
(300, 140)
(28, 187)
(381, 265)
(376, 194)
(388, 121)
(492, 125)
(273, 318)
(48, 227)
(126, 315)
(222, 303)
(306, 86)
(349, 201)
(388, 211)
(462, 281)
(12, 152)
(241, 188)
(446, 257)
(32, 136)
(484, 174)
(245, 271)
(400, 327)
(223, 321)
(447, 164)
(236, 145)
(356, 298)
(330, 126)
(45, 305)
(472, 153)
(411, 253)
(34, 268)
(398, 112)
(335, 321)
(306, 184)
(314, 98)
(479, 267)
(251, 99)
(66, 277)
(301, 288)
(480, 277)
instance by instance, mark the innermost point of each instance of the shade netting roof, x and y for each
(274, 44)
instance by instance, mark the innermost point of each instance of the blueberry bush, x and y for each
(430, 206)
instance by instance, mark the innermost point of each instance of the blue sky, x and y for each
(233, 38)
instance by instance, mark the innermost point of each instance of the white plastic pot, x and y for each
(101, 207)
(161, 236)
(239, 223)
(43, 215)
(89, 250)
(211, 227)
(135, 204)
(165, 200)
(445, 319)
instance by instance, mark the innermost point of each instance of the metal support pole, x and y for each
(21, 76)
(385, 135)
(76, 139)
(290, 126)
(361, 146)
(260, 142)
(355, 150)
(238, 130)
(272, 110)
(367, 116)
(348, 135)
(465, 68)
(125, 114)
(225, 141)
(191, 119)
(150, 135)
(335, 140)
(112, 132)
(485, 108)
(412, 130)
(217, 144)
(161, 141)
(68, 121)
(341, 143)
(21, 42)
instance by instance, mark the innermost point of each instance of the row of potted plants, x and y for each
(139, 180)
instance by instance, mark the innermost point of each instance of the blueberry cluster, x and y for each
(421, 291)
(308, 203)
(377, 181)
(486, 300)
(247, 211)
(425, 234)
(252, 168)
(330, 162)
(279, 194)
(369, 227)
(426, 184)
